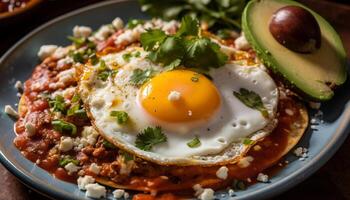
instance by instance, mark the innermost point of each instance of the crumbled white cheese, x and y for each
(207, 194)
(127, 37)
(262, 178)
(84, 181)
(170, 27)
(245, 162)
(89, 134)
(289, 112)
(126, 195)
(301, 152)
(197, 189)
(30, 129)
(118, 23)
(231, 192)
(95, 168)
(257, 147)
(314, 105)
(19, 85)
(241, 43)
(82, 31)
(222, 173)
(64, 61)
(71, 168)
(66, 144)
(313, 121)
(66, 76)
(313, 127)
(60, 52)
(174, 96)
(104, 32)
(118, 193)
(46, 51)
(10, 111)
(95, 190)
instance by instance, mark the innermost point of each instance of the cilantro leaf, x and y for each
(127, 156)
(122, 117)
(150, 137)
(58, 104)
(247, 141)
(152, 38)
(108, 145)
(140, 76)
(189, 27)
(171, 49)
(195, 142)
(203, 53)
(251, 100)
(67, 159)
(64, 127)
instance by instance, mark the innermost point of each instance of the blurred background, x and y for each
(331, 182)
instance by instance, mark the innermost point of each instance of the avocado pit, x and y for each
(296, 29)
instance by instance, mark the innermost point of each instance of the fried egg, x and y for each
(184, 103)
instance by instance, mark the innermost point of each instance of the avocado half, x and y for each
(315, 74)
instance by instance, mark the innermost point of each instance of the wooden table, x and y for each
(331, 182)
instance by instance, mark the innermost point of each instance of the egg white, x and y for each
(221, 137)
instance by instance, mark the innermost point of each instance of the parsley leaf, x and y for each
(58, 104)
(140, 76)
(150, 137)
(189, 27)
(122, 117)
(64, 127)
(195, 142)
(251, 100)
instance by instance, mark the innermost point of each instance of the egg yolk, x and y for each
(180, 96)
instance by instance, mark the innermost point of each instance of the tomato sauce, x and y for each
(145, 176)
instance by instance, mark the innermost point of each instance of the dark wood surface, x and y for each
(332, 181)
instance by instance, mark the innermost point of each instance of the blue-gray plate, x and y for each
(20, 60)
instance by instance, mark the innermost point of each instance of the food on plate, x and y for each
(164, 108)
(315, 73)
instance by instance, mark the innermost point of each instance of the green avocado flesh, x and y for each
(313, 74)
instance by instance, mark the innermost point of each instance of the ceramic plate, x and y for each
(20, 60)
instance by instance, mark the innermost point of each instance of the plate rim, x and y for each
(338, 138)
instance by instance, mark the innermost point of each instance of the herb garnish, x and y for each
(140, 76)
(132, 23)
(76, 108)
(187, 47)
(216, 14)
(67, 159)
(127, 156)
(64, 127)
(251, 100)
(122, 117)
(150, 137)
(195, 142)
(58, 104)
(108, 145)
(247, 141)
(238, 185)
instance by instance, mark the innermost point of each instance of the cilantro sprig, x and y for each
(251, 100)
(150, 137)
(67, 159)
(58, 104)
(187, 47)
(140, 76)
(64, 127)
(121, 116)
(194, 143)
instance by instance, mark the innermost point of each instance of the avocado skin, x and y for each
(273, 64)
